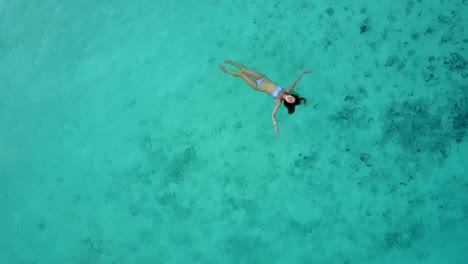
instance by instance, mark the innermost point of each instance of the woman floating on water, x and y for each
(260, 82)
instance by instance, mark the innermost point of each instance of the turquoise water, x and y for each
(121, 141)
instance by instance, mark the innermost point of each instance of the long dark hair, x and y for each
(292, 107)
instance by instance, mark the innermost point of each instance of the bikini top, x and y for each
(277, 91)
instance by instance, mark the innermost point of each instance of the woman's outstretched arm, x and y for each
(278, 103)
(289, 89)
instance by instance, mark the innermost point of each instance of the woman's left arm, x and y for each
(289, 89)
(277, 105)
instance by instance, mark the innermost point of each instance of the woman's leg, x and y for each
(246, 78)
(253, 74)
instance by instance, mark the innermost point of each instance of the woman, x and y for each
(263, 84)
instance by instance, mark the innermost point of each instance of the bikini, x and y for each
(275, 93)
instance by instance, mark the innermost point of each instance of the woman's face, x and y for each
(290, 99)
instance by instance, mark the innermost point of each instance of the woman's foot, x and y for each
(242, 68)
(229, 71)
(223, 68)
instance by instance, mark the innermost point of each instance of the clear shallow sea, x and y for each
(121, 141)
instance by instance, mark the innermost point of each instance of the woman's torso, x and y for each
(268, 86)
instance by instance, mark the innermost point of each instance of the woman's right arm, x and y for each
(289, 89)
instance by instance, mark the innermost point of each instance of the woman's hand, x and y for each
(276, 129)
